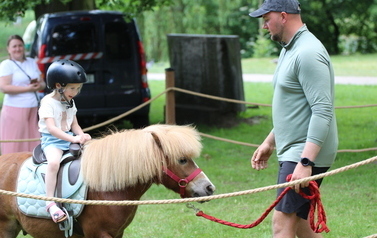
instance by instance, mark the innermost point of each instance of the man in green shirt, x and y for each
(304, 125)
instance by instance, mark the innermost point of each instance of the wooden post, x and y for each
(170, 97)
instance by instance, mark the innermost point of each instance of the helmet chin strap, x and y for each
(62, 96)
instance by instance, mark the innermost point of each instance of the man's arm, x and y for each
(263, 153)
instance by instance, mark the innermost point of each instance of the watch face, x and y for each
(306, 162)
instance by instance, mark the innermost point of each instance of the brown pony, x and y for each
(119, 166)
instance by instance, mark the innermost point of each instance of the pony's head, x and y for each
(129, 157)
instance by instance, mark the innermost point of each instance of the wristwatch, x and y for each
(307, 162)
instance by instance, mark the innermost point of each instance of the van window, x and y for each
(118, 42)
(73, 39)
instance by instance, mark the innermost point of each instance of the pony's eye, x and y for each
(182, 161)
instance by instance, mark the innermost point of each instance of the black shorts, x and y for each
(292, 201)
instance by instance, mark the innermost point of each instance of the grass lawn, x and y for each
(349, 197)
(351, 65)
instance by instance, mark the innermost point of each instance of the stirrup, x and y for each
(67, 225)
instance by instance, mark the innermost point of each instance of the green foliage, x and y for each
(132, 7)
(344, 26)
(264, 47)
(11, 9)
(241, 24)
(11, 28)
(352, 44)
(329, 20)
(198, 17)
(348, 44)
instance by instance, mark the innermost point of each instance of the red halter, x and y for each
(182, 182)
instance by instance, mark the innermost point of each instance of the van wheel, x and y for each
(140, 121)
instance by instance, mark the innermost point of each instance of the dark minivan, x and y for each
(107, 45)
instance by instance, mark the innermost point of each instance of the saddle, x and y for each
(74, 168)
(39, 157)
(69, 185)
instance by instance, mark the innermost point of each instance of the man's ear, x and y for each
(284, 17)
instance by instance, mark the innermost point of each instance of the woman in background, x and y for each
(20, 82)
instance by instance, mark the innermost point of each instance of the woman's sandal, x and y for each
(58, 215)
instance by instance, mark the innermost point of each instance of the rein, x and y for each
(315, 202)
(182, 182)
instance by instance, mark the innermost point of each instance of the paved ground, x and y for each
(268, 78)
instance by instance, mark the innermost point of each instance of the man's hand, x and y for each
(259, 160)
(301, 172)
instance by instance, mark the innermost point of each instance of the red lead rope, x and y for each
(315, 203)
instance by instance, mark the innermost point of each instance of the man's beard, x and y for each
(276, 37)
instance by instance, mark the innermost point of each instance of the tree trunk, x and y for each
(335, 34)
(58, 6)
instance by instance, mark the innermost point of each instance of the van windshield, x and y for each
(73, 39)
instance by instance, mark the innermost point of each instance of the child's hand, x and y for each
(87, 137)
(81, 139)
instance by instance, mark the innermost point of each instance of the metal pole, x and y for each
(170, 97)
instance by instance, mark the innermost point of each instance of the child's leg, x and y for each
(53, 156)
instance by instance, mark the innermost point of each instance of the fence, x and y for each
(170, 90)
(170, 119)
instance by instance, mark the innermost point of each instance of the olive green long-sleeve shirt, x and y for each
(303, 102)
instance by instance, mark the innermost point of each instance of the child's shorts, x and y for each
(50, 140)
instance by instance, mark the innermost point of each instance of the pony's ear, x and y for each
(157, 140)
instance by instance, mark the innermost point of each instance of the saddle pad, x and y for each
(28, 182)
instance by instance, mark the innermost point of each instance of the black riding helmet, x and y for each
(64, 72)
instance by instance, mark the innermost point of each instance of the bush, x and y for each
(351, 44)
(264, 47)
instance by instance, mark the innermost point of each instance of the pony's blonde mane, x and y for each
(128, 157)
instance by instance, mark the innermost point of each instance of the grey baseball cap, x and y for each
(288, 6)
